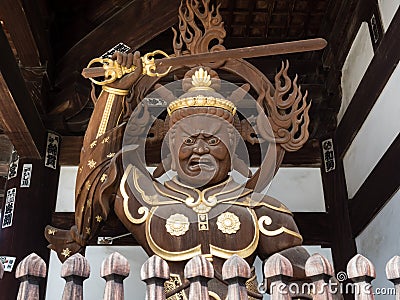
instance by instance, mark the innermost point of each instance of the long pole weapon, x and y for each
(111, 70)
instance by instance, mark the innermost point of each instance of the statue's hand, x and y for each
(127, 60)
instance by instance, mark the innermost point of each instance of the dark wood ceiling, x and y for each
(53, 40)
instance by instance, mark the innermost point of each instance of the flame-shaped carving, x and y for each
(191, 35)
(287, 114)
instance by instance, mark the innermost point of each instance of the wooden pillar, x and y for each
(24, 219)
(337, 205)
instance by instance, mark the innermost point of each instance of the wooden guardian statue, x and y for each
(202, 210)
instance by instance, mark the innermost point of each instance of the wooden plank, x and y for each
(379, 187)
(314, 227)
(70, 150)
(19, 117)
(142, 20)
(13, 15)
(375, 78)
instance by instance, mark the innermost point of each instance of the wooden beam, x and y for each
(5, 149)
(20, 119)
(314, 227)
(336, 201)
(16, 23)
(136, 24)
(377, 189)
(375, 78)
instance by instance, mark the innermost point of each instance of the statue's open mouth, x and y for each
(201, 163)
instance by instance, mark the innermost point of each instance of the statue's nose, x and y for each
(201, 147)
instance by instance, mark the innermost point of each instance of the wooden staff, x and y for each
(112, 70)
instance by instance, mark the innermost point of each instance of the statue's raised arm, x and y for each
(100, 161)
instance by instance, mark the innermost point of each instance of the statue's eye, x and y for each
(213, 141)
(189, 141)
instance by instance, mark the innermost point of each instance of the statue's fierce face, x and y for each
(201, 151)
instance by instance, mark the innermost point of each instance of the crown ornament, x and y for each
(201, 81)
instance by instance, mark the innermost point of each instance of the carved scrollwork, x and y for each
(191, 35)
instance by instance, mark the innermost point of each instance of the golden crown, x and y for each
(201, 80)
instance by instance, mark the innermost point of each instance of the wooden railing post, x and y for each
(278, 270)
(74, 270)
(30, 271)
(198, 271)
(393, 273)
(361, 271)
(114, 270)
(155, 272)
(320, 271)
(236, 271)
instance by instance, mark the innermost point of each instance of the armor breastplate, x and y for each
(175, 233)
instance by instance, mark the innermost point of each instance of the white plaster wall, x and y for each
(300, 189)
(357, 62)
(379, 242)
(66, 189)
(388, 9)
(376, 134)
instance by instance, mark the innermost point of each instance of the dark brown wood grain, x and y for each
(19, 117)
(32, 211)
(343, 244)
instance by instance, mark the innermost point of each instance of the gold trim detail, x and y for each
(93, 144)
(142, 210)
(149, 65)
(201, 101)
(99, 218)
(169, 255)
(106, 115)
(88, 185)
(202, 220)
(103, 177)
(268, 221)
(66, 252)
(254, 204)
(115, 91)
(177, 224)
(91, 163)
(228, 223)
(214, 295)
(51, 231)
(105, 140)
(245, 252)
(201, 81)
(171, 284)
